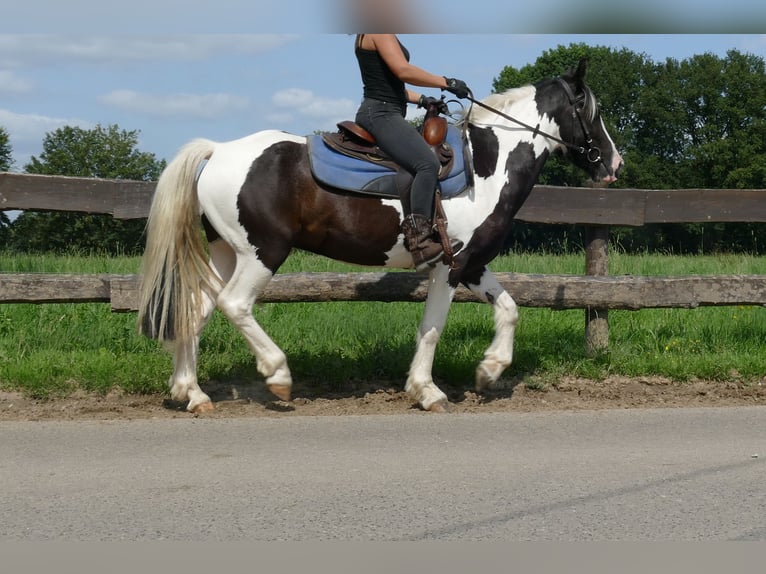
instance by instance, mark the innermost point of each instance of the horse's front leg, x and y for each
(420, 385)
(500, 353)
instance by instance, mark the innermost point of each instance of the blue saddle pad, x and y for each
(351, 174)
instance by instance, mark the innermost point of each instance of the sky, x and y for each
(175, 79)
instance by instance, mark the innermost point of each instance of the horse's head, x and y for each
(575, 109)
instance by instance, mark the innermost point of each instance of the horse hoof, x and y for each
(484, 380)
(202, 408)
(439, 407)
(281, 391)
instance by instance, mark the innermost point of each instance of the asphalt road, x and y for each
(673, 474)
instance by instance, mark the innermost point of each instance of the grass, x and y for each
(50, 350)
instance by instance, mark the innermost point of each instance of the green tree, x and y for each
(702, 124)
(6, 159)
(103, 152)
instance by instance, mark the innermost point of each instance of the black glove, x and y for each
(457, 87)
(428, 101)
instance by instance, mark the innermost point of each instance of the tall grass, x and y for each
(54, 349)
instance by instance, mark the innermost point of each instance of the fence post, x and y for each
(597, 264)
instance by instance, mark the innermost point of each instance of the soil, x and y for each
(253, 400)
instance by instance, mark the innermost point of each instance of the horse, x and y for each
(257, 199)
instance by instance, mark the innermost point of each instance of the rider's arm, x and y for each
(389, 49)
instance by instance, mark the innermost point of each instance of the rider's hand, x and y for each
(428, 101)
(457, 87)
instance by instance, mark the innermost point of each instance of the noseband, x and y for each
(592, 153)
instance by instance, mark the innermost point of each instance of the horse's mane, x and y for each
(590, 104)
(504, 99)
(498, 101)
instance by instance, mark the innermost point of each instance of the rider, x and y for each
(385, 68)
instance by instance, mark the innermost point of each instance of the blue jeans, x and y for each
(399, 139)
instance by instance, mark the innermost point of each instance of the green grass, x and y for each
(49, 350)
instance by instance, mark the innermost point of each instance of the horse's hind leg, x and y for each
(236, 301)
(183, 382)
(420, 385)
(499, 354)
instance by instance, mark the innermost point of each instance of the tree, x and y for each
(104, 152)
(6, 160)
(702, 124)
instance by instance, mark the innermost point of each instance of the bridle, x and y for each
(592, 153)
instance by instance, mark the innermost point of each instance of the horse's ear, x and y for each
(579, 75)
(576, 76)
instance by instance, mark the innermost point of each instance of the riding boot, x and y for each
(419, 240)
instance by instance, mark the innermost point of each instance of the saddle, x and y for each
(349, 160)
(353, 140)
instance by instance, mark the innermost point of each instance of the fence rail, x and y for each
(528, 290)
(596, 291)
(125, 199)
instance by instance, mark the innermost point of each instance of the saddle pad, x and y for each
(355, 175)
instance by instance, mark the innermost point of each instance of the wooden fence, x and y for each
(596, 291)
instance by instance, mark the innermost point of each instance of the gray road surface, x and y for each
(675, 474)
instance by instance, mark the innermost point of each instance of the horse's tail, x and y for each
(175, 266)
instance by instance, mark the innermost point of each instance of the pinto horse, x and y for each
(257, 200)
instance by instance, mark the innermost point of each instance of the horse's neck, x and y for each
(495, 136)
(512, 134)
(508, 160)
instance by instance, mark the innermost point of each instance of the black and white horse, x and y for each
(258, 199)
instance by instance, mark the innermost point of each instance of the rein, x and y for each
(592, 153)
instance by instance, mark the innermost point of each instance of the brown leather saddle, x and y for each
(353, 140)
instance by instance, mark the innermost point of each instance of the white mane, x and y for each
(500, 101)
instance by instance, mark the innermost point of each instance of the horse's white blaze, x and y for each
(617, 160)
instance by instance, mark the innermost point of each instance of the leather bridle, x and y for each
(591, 152)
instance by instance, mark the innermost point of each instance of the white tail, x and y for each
(175, 267)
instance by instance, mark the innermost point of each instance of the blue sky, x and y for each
(176, 85)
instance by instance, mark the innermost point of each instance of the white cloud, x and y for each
(27, 132)
(326, 112)
(11, 84)
(33, 127)
(279, 120)
(202, 106)
(46, 49)
(292, 97)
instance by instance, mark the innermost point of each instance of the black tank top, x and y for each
(379, 81)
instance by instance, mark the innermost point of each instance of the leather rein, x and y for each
(592, 153)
